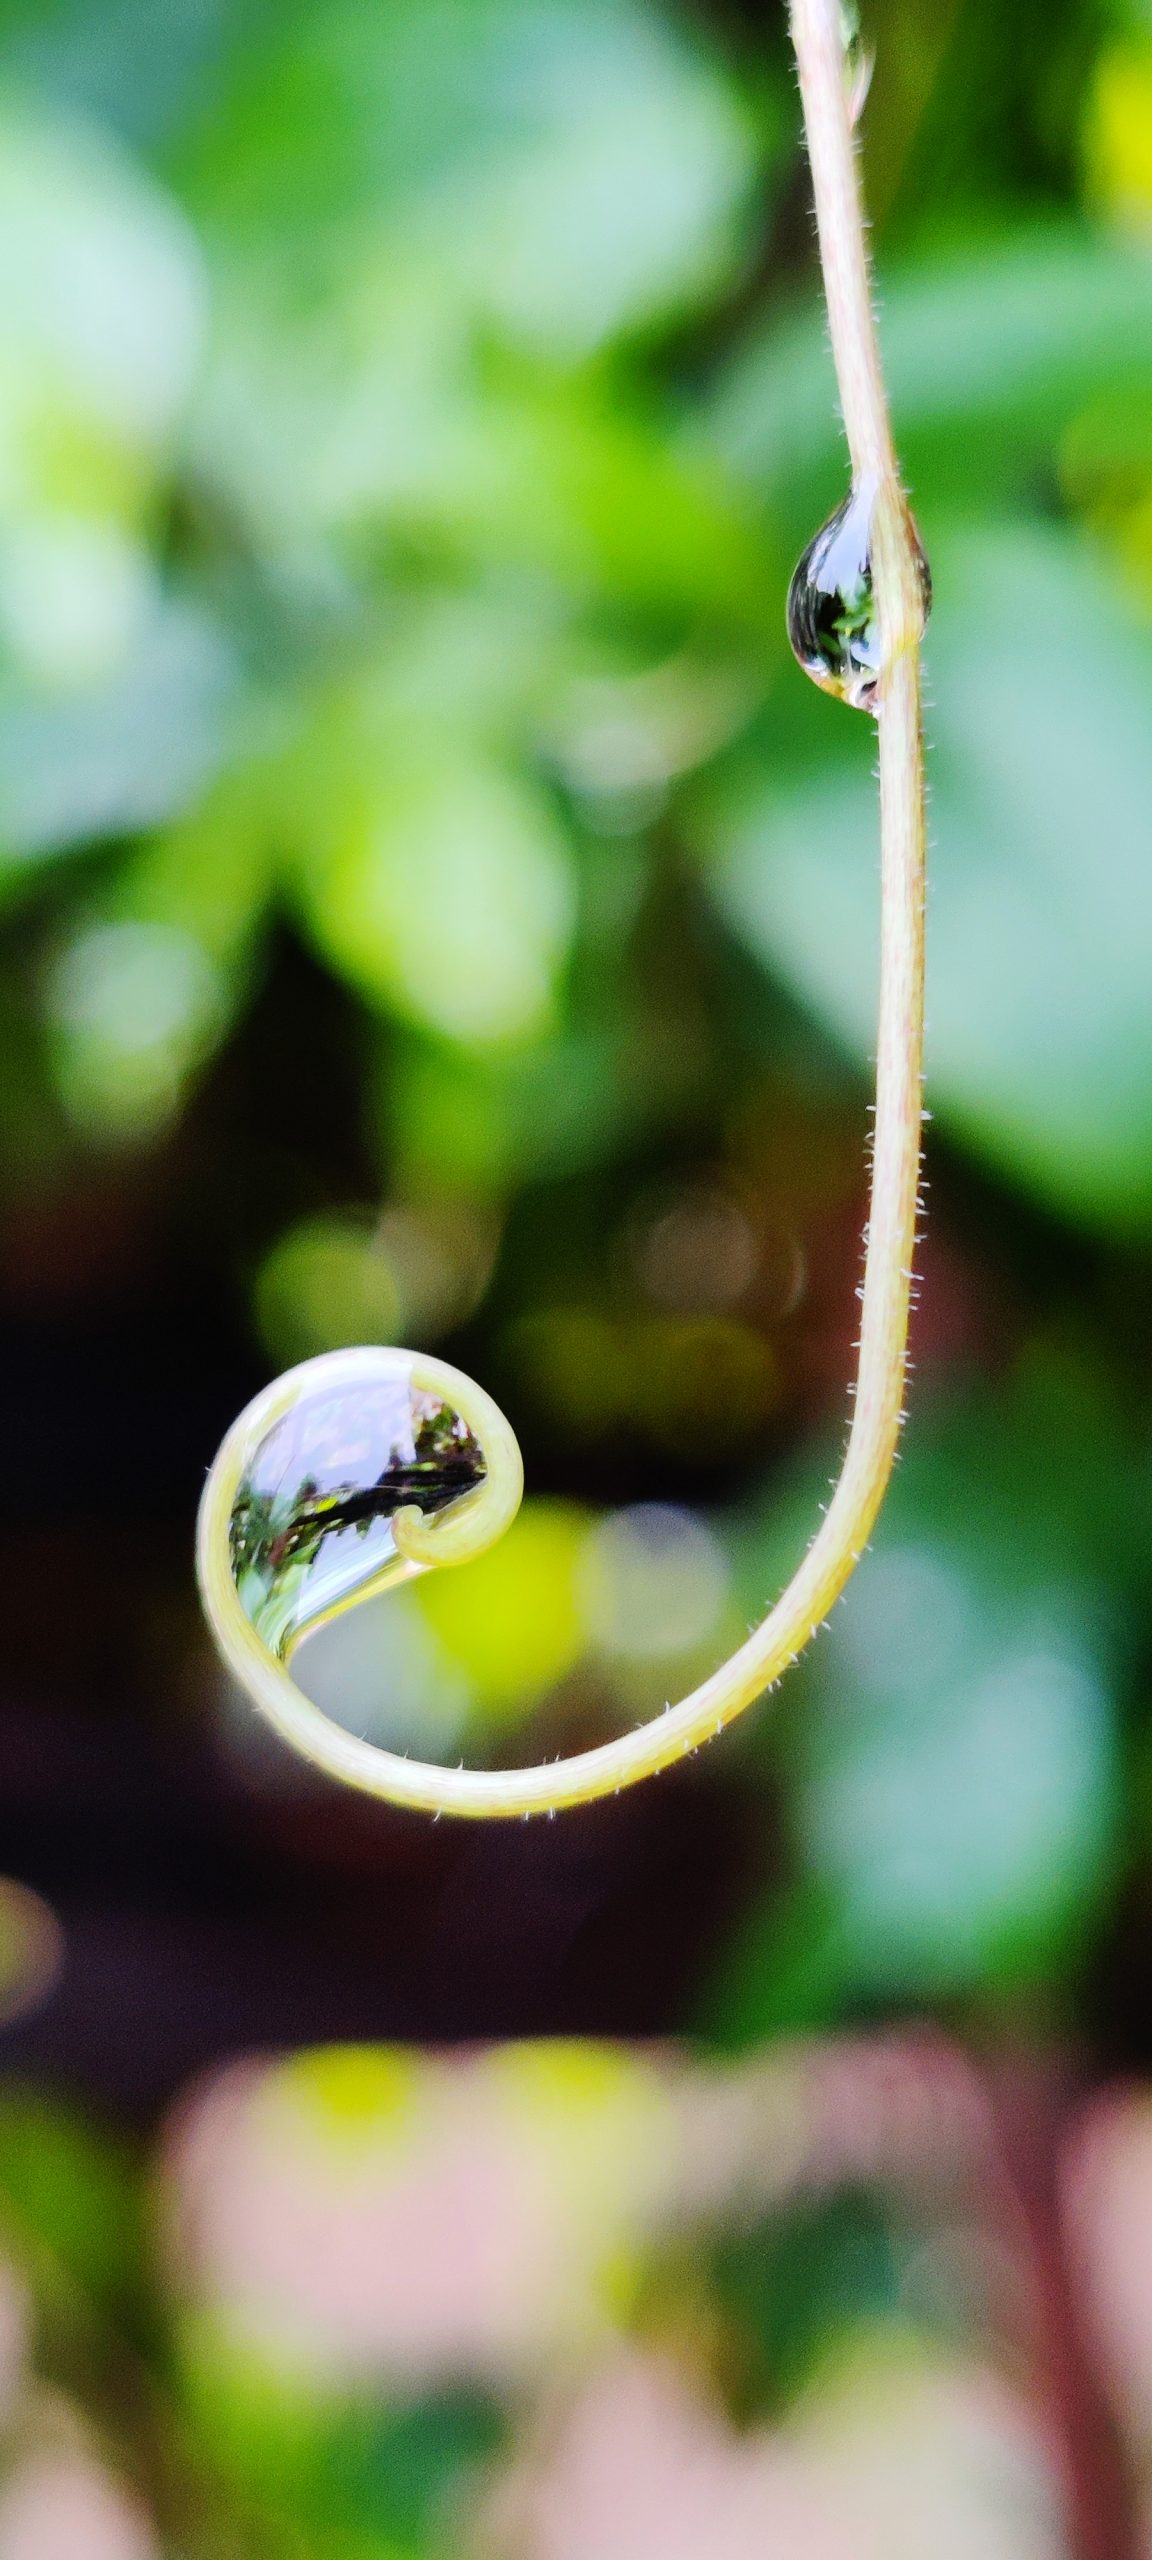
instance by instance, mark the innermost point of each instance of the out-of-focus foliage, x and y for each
(952, 1744)
(404, 441)
(557, 2302)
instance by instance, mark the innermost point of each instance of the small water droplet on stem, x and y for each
(833, 625)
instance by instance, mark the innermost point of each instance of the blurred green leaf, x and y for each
(1040, 906)
(620, 205)
(950, 1745)
(72, 2200)
(103, 57)
(357, 2479)
(142, 986)
(794, 2283)
(87, 762)
(486, 1123)
(102, 317)
(599, 495)
(960, 1794)
(988, 353)
(381, 418)
(131, 1007)
(575, 172)
(446, 894)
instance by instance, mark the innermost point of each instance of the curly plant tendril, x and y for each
(367, 1467)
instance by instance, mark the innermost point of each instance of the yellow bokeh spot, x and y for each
(1118, 132)
(351, 2091)
(512, 1620)
(601, 2117)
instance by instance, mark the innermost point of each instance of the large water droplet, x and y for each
(832, 620)
(311, 1525)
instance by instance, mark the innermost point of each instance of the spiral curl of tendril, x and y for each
(470, 1524)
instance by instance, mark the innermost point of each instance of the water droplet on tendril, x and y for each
(311, 1525)
(832, 620)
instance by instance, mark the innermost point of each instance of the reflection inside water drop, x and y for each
(311, 1525)
(832, 621)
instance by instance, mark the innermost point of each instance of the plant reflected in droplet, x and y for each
(832, 621)
(311, 1526)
